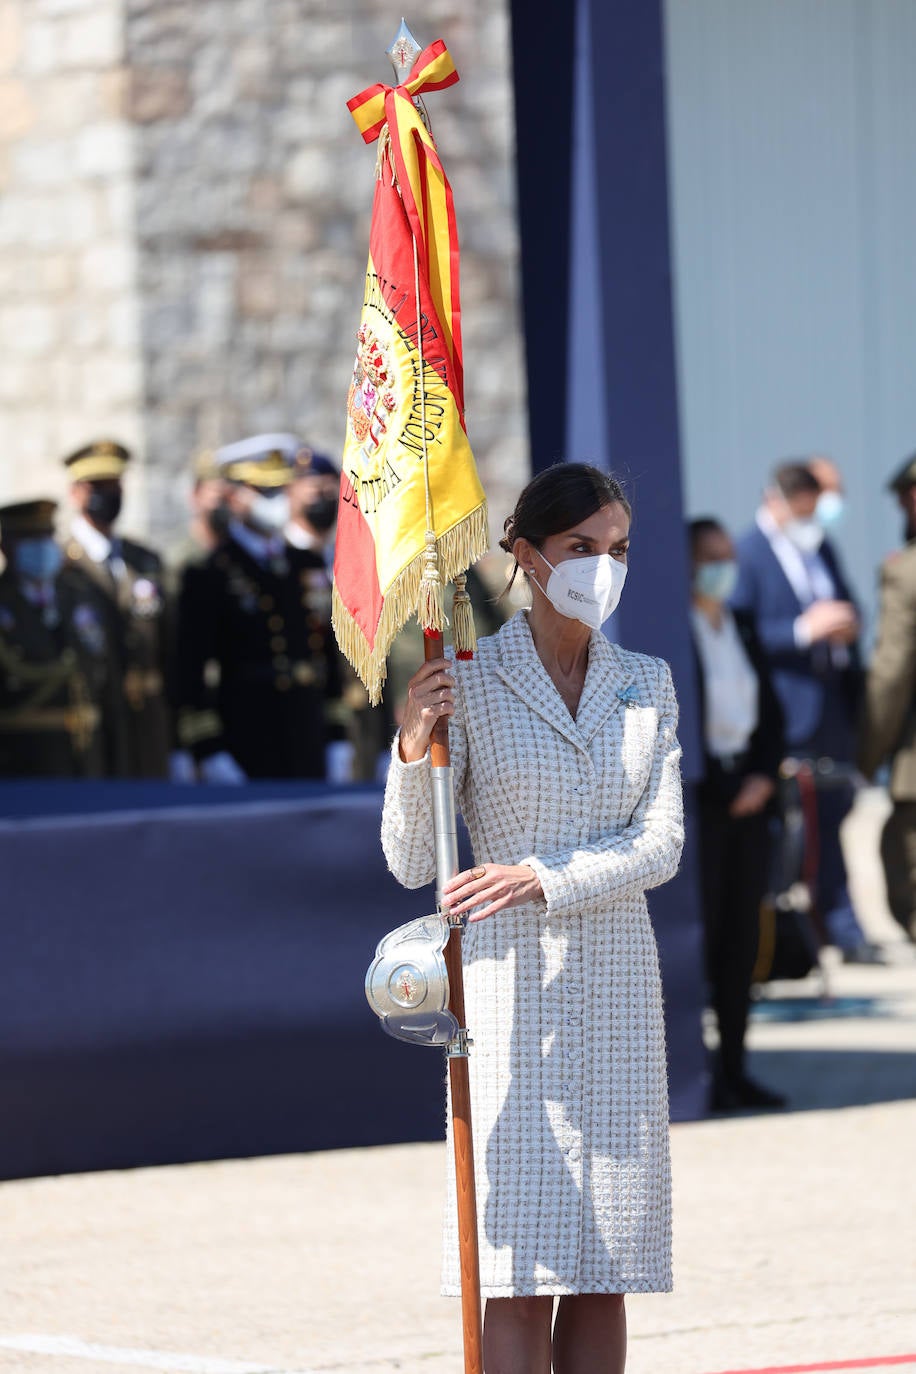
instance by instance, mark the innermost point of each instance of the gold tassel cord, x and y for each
(383, 155)
(430, 610)
(464, 633)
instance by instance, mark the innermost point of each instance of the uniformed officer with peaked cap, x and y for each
(903, 484)
(127, 578)
(59, 689)
(888, 731)
(254, 663)
(905, 476)
(361, 733)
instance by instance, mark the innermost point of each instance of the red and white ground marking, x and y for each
(874, 1362)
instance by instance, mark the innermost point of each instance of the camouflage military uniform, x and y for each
(135, 608)
(127, 581)
(59, 712)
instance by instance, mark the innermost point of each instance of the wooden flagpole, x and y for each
(403, 53)
(459, 1080)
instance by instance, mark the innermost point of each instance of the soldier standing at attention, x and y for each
(255, 663)
(360, 733)
(889, 719)
(313, 495)
(58, 684)
(128, 580)
(209, 517)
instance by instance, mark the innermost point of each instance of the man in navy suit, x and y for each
(791, 583)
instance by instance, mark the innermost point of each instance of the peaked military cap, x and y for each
(98, 461)
(204, 466)
(28, 519)
(905, 476)
(309, 463)
(264, 460)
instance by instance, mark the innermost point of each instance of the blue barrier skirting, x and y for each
(181, 977)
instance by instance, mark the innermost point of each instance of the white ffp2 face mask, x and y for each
(586, 589)
(268, 514)
(805, 533)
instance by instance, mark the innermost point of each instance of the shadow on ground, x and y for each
(813, 1080)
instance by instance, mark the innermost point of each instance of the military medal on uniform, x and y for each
(412, 515)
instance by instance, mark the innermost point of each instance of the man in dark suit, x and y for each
(791, 584)
(128, 582)
(742, 750)
(255, 659)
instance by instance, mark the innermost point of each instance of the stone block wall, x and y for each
(185, 228)
(70, 357)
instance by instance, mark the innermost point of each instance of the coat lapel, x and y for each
(525, 675)
(605, 689)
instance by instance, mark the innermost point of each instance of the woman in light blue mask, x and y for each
(565, 759)
(742, 749)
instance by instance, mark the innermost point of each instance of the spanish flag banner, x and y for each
(412, 512)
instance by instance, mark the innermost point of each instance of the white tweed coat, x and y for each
(568, 1071)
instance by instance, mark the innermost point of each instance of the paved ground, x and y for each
(795, 1235)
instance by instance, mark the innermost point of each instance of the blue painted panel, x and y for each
(791, 129)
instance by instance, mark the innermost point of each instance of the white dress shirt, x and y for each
(97, 546)
(730, 685)
(263, 548)
(810, 579)
(300, 538)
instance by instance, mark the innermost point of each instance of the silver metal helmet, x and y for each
(407, 983)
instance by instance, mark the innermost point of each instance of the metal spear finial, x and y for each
(403, 52)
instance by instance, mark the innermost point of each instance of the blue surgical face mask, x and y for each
(830, 509)
(717, 580)
(38, 559)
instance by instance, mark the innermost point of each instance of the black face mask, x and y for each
(321, 513)
(104, 505)
(218, 520)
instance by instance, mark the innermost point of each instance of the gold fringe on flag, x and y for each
(457, 549)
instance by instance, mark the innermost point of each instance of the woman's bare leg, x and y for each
(590, 1334)
(516, 1335)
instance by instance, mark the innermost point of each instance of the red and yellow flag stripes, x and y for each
(407, 463)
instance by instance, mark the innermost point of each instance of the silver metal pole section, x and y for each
(445, 827)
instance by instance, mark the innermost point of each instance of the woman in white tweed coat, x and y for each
(566, 767)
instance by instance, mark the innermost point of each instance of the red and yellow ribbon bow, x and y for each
(423, 185)
(412, 512)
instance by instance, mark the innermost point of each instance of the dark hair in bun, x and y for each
(556, 499)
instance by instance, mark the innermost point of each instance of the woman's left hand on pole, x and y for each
(489, 888)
